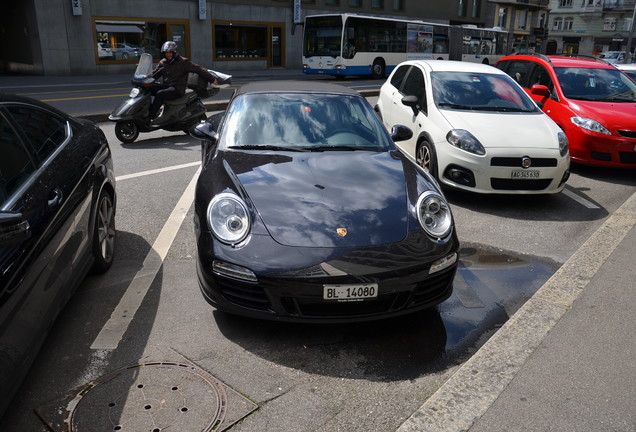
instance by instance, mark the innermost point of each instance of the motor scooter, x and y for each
(183, 114)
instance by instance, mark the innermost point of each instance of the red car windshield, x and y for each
(595, 84)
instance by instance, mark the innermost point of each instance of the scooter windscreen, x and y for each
(144, 67)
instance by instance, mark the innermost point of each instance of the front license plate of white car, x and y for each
(525, 174)
(350, 292)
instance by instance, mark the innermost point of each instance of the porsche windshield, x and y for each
(479, 91)
(303, 122)
(595, 84)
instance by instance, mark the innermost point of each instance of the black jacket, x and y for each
(175, 72)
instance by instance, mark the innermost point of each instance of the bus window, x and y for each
(440, 45)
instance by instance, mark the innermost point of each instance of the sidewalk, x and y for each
(565, 361)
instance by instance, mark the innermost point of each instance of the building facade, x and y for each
(73, 37)
(525, 20)
(589, 27)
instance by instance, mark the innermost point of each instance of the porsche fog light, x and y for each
(434, 214)
(228, 218)
(233, 271)
(443, 263)
(464, 140)
(591, 125)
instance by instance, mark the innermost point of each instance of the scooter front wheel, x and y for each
(126, 131)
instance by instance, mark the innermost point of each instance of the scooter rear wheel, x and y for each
(126, 131)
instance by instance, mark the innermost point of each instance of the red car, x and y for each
(591, 100)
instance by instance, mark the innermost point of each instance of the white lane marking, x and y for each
(156, 171)
(579, 199)
(114, 329)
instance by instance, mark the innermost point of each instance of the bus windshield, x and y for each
(323, 36)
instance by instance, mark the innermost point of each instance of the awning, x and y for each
(111, 28)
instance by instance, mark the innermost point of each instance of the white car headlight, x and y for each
(228, 218)
(464, 140)
(563, 144)
(434, 214)
(591, 125)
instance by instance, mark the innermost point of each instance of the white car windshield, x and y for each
(303, 122)
(595, 84)
(479, 91)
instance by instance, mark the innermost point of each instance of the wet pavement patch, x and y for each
(153, 397)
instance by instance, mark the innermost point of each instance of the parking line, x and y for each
(114, 329)
(156, 171)
(579, 199)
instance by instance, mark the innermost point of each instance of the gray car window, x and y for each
(45, 130)
(15, 162)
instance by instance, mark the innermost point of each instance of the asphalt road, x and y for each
(147, 310)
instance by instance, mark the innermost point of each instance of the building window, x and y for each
(332, 2)
(461, 8)
(398, 5)
(503, 17)
(568, 23)
(609, 24)
(126, 40)
(476, 13)
(558, 24)
(626, 25)
(240, 41)
(522, 16)
(377, 4)
(565, 3)
(355, 3)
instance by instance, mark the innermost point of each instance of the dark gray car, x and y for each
(57, 223)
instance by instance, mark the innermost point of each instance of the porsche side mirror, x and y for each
(401, 133)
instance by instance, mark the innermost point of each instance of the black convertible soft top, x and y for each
(288, 86)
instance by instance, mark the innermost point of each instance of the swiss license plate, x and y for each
(350, 292)
(525, 174)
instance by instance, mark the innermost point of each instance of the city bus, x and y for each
(350, 44)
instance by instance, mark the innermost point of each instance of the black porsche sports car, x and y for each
(306, 210)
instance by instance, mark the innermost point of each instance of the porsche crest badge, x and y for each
(341, 232)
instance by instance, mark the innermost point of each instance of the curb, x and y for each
(209, 106)
(475, 386)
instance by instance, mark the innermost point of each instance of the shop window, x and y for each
(240, 41)
(398, 5)
(126, 40)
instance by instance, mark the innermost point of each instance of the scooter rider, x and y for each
(174, 70)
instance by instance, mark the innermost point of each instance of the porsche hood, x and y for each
(321, 199)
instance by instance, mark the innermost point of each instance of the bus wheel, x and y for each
(378, 69)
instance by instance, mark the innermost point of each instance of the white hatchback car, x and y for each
(474, 128)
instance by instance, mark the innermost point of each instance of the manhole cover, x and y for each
(149, 397)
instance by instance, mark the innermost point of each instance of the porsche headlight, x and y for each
(591, 125)
(464, 140)
(228, 218)
(563, 144)
(434, 214)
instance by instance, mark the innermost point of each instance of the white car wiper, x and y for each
(454, 106)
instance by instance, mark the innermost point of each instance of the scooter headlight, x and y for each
(134, 92)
